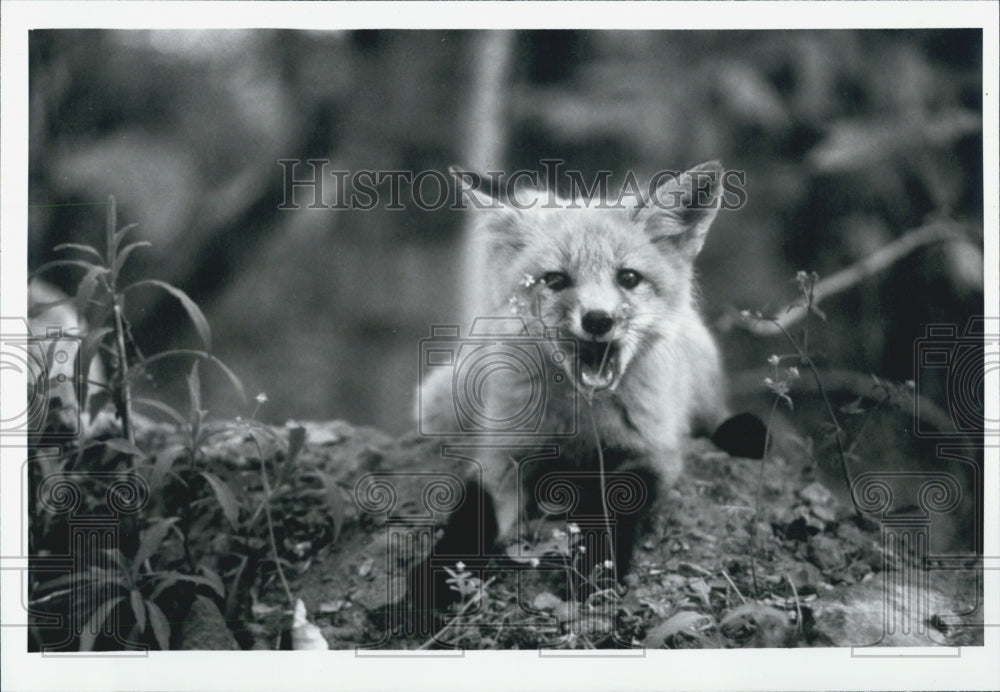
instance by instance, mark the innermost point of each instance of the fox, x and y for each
(611, 288)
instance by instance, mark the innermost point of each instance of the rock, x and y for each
(825, 552)
(803, 527)
(857, 615)
(816, 494)
(205, 629)
(806, 578)
(546, 601)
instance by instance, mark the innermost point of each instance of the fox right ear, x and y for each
(681, 210)
(499, 219)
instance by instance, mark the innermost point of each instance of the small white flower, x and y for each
(460, 566)
(535, 562)
(262, 398)
(583, 548)
(608, 564)
(773, 360)
(573, 528)
(801, 276)
(793, 372)
(528, 281)
(745, 314)
(768, 381)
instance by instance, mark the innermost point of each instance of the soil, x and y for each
(739, 553)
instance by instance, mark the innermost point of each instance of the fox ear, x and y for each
(678, 213)
(496, 217)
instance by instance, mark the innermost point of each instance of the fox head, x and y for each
(615, 277)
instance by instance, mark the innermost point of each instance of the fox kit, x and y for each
(607, 292)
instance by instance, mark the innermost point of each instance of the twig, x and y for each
(270, 531)
(838, 432)
(735, 588)
(604, 499)
(798, 608)
(760, 489)
(124, 398)
(884, 257)
(267, 516)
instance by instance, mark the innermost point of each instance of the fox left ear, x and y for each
(678, 213)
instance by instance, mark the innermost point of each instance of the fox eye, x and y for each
(556, 281)
(629, 278)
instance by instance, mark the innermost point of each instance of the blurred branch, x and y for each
(485, 139)
(854, 384)
(881, 259)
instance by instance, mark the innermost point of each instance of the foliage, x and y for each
(186, 487)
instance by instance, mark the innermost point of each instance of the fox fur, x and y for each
(644, 384)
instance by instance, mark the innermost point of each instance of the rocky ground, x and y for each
(716, 568)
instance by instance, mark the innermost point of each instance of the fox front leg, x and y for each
(500, 481)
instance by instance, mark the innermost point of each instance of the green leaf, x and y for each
(193, 311)
(161, 628)
(64, 263)
(123, 255)
(214, 581)
(123, 231)
(86, 249)
(124, 447)
(115, 555)
(165, 460)
(194, 393)
(296, 441)
(150, 542)
(224, 494)
(143, 364)
(103, 577)
(86, 288)
(88, 348)
(96, 623)
(335, 502)
(77, 580)
(170, 411)
(139, 608)
(112, 224)
(97, 401)
(165, 583)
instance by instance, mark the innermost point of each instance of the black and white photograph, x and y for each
(392, 335)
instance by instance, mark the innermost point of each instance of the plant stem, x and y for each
(760, 489)
(270, 526)
(838, 431)
(125, 392)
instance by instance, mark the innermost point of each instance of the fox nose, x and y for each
(597, 322)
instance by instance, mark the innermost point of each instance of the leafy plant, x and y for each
(135, 582)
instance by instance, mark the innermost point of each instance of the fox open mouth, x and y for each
(598, 364)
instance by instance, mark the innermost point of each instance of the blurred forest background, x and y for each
(849, 139)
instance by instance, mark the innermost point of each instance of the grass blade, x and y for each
(224, 494)
(192, 309)
(96, 623)
(161, 627)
